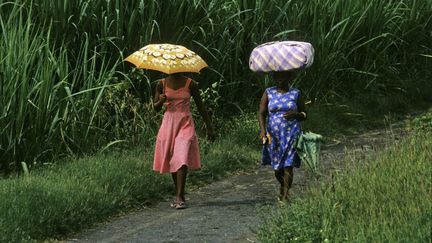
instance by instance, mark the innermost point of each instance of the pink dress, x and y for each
(176, 142)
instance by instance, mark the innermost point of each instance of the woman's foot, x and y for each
(282, 202)
(178, 204)
(283, 197)
(181, 205)
(173, 204)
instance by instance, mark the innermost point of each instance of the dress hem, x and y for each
(168, 171)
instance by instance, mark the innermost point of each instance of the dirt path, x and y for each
(228, 210)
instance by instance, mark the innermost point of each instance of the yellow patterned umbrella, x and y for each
(167, 58)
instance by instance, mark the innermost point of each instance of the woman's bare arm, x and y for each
(262, 114)
(301, 108)
(159, 97)
(201, 109)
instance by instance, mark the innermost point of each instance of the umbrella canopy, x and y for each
(167, 58)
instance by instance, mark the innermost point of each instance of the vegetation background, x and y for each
(65, 91)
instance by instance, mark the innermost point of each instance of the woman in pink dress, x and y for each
(176, 149)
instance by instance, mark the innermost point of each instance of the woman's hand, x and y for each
(291, 114)
(295, 115)
(263, 138)
(162, 98)
(211, 134)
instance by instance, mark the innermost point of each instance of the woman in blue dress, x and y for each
(280, 112)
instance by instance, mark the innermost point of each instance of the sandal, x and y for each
(180, 205)
(173, 204)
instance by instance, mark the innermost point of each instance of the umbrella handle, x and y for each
(164, 86)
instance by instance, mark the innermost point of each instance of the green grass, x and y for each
(386, 199)
(56, 201)
(71, 195)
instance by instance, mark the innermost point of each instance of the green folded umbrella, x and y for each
(308, 148)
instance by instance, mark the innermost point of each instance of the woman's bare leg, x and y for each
(181, 183)
(279, 177)
(174, 178)
(288, 176)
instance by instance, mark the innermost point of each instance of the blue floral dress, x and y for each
(280, 153)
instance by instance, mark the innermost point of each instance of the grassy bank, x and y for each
(60, 199)
(386, 199)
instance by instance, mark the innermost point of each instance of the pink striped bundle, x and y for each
(281, 56)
